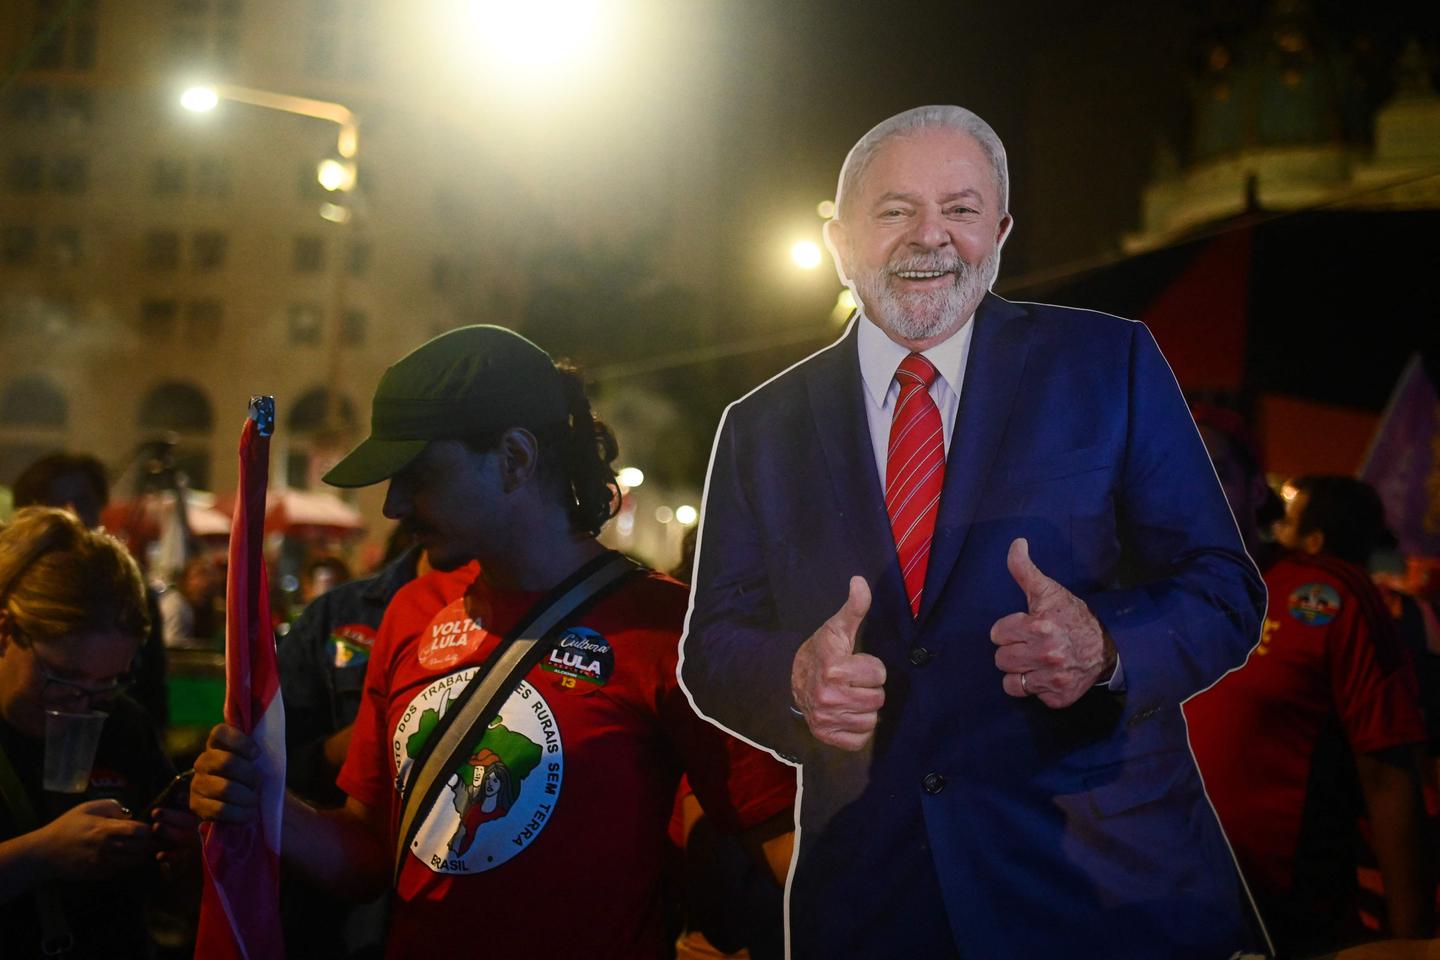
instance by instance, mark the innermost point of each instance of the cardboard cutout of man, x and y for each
(963, 566)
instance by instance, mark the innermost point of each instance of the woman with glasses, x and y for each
(76, 868)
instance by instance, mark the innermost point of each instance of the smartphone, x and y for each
(165, 794)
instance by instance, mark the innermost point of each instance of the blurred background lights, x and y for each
(826, 208)
(334, 212)
(844, 306)
(536, 34)
(686, 514)
(336, 174)
(199, 99)
(806, 254)
(664, 514)
(630, 477)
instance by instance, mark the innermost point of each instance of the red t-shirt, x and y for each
(548, 842)
(1328, 663)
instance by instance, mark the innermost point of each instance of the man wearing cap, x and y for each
(493, 454)
(964, 565)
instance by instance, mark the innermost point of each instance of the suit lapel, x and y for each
(837, 404)
(992, 373)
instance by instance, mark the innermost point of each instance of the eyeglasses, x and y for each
(57, 691)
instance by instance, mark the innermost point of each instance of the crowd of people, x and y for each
(1028, 654)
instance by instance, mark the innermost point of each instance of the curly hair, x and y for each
(576, 457)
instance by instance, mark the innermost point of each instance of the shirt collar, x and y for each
(880, 357)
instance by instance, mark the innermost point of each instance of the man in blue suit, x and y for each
(963, 566)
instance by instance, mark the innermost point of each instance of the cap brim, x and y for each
(373, 461)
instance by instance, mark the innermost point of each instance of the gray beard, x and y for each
(926, 314)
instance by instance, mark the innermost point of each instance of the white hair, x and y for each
(943, 116)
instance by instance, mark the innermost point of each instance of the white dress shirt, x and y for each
(879, 359)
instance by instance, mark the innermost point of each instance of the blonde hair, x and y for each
(58, 577)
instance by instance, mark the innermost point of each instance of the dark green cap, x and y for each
(462, 385)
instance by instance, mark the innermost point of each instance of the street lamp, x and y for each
(334, 174)
(341, 173)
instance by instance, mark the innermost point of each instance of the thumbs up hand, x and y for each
(1056, 650)
(840, 692)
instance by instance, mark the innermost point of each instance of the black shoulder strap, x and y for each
(476, 706)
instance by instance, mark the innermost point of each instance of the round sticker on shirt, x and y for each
(449, 641)
(581, 654)
(504, 793)
(1314, 604)
(350, 645)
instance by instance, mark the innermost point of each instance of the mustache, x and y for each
(929, 263)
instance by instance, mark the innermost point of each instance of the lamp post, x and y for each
(335, 175)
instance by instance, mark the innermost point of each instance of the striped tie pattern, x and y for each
(914, 472)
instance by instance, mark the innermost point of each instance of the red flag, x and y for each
(240, 908)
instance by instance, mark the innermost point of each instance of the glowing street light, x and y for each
(200, 99)
(630, 477)
(536, 35)
(806, 254)
(336, 174)
(205, 97)
(686, 514)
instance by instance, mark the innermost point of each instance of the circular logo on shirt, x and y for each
(581, 654)
(447, 642)
(1314, 604)
(504, 793)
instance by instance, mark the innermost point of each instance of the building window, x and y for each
(320, 50)
(353, 327)
(167, 177)
(33, 402)
(162, 250)
(25, 174)
(202, 322)
(187, 40)
(212, 177)
(181, 407)
(305, 322)
(157, 319)
(30, 103)
(309, 254)
(70, 174)
(82, 45)
(358, 262)
(72, 46)
(75, 108)
(207, 250)
(227, 44)
(317, 409)
(442, 275)
(65, 247)
(17, 243)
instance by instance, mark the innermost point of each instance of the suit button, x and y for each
(933, 783)
(920, 656)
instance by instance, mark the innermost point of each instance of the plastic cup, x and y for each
(70, 742)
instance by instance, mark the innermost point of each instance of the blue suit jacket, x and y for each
(976, 824)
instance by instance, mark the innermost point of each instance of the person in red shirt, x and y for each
(1323, 717)
(553, 828)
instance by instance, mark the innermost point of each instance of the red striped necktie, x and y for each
(914, 472)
